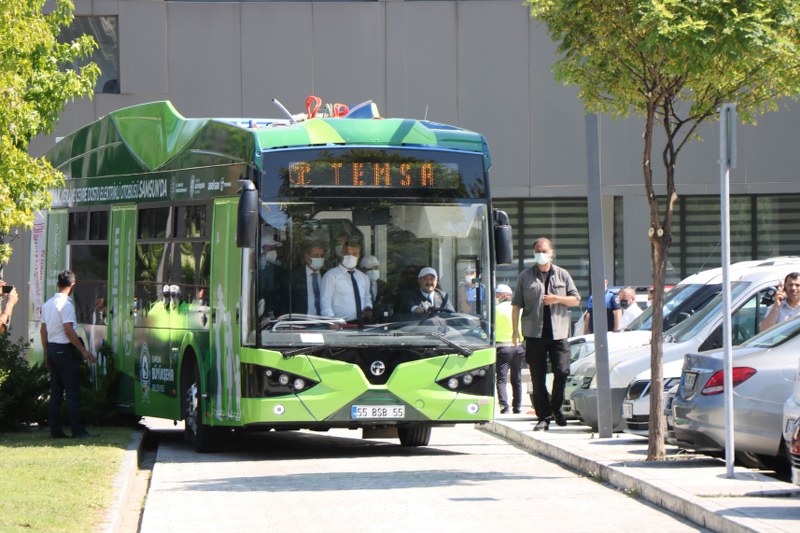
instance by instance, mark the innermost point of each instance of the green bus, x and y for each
(190, 239)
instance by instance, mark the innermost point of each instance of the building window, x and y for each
(104, 30)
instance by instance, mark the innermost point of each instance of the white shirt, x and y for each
(628, 315)
(785, 312)
(56, 312)
(338, 298)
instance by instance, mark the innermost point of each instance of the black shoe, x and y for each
(84, 435)
(503, 410)
(516, 411)
(542, 425)
(59, 435)
(561, 420)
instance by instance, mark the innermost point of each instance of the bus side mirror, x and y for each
(247, 215)
(503, 246)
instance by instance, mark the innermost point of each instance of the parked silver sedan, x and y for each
(763, 377)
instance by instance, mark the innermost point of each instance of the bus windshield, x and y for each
(317, 260)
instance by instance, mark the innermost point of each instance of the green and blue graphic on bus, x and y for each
(210, 254)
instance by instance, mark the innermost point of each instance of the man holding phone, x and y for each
(9, 292)
(787, 302)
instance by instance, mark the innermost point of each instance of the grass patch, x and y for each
(58, 485)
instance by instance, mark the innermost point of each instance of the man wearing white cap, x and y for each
(429, 298)
(509, 357)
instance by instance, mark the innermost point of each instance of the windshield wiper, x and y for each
(461, 350)
(457, 347)
(305, 350)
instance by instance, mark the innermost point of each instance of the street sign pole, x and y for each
(727, 161)
(596, 258)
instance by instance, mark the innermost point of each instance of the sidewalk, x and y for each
(693, 486)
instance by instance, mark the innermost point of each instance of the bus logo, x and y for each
(377, 368)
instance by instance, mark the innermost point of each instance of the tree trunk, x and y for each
(655, 446)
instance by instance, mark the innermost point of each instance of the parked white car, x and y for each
(791, 429)
(752, 287)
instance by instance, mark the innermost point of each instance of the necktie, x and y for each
(315, 287)
(357, 295)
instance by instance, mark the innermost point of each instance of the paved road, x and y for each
(464, 481)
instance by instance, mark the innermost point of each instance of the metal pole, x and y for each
(599, 319)
(727, 149)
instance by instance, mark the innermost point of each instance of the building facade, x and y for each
(484, 65)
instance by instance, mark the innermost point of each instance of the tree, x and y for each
(36, 81)
(673, 63)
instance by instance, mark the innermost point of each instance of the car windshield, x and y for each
(672, 299)
(695, 323)
(775, 335)
(393, 242)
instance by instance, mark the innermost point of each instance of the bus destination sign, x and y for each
(396, 174)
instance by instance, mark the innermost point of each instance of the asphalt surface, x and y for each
(690, 486)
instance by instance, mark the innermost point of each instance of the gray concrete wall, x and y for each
(479, 64)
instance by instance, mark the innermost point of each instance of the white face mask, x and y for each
(271, 256)
(349, 262)
(317, 262)
(373, 275)
(541, 258)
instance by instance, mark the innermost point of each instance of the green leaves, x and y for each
(36, 81)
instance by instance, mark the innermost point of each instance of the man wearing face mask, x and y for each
(271, 276)
(345, 290)
(630, 309)
(377, 287)
(545, 292)
(307, 281)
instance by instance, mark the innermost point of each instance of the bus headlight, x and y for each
(259, 381)
(479, 381)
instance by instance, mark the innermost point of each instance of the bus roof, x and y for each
(156, 137)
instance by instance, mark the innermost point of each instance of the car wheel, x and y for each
(203, 438)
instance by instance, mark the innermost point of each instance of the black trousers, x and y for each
(64, 363)
(537, 353)
(510, 359)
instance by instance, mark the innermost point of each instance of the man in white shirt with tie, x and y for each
(345, 289)
(307, 298)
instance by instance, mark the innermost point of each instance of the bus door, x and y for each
(122, 244)
(224, 375)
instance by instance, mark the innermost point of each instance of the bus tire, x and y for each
(413, 436)
(202, 437)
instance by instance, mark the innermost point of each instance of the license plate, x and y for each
(627, 410)
(377, 411)
(689, 379)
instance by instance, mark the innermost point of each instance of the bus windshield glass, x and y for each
(351, 272)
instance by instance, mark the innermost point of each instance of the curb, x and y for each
(123, 482)
(678, 502)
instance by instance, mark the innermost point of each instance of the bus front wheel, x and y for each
(202, 437)
(416, 435)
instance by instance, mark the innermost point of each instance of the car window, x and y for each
(776, 335)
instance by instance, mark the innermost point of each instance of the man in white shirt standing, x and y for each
(787, 302)
(61, 347)
(630, 309)
(345, 289)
